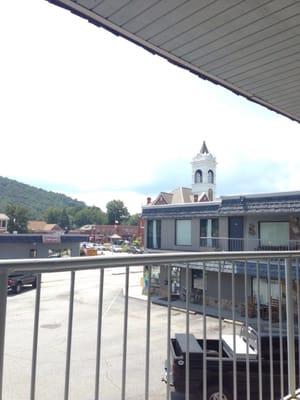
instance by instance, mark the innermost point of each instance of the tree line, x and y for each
(72, 217)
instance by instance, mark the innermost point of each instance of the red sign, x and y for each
(51, 239)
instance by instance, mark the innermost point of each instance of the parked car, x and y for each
(116, 249)
(196, 362)
(16, 282)
(134, 250)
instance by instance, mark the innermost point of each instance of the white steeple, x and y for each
(204, 174)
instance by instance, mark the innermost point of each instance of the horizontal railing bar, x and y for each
(95, 262)
(257, 239)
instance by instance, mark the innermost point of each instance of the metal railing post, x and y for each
(290, 327)
(260, 382)
(270, 332)
(187, 331)
(234, 331)
(35, 336)
(168, 392)
(125, 334)
(148, 332)
(220, 332)
(69, 336)
(99, 333)
(3, 300)
(204, 388)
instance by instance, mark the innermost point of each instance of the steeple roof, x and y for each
(204, 154)
(204, 149)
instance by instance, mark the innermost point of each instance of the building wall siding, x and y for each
(21, 250)
(251, 232)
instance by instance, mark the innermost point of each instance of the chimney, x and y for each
(148, 200)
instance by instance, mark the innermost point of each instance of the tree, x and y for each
(53, 215)
(89, 216)
(97, 215)
(72, 211)
(134, 219)
(81, 218)
(18, 218)
(116, 212)
(64, 219)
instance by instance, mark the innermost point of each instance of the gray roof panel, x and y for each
(249, 47)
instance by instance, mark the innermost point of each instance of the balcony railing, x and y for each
(282, 363)
(247, 244)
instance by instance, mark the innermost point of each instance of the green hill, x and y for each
(34, 199)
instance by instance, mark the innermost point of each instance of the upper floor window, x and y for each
(210, 176)
(198, 176)
(274, 233)
(183, 232)
(209, 229)
(154, 234)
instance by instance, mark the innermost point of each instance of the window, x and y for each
(209, 229)
(274, 233)
(175, 280)
(210, 176)
(210, 194)
(33, 253)
(155, 276)
(59, 253)
(183, 232)
(197, 279)
(154, 234)
(198, 176)
(263, 293)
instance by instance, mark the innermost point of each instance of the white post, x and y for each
(3, 301)
(290, 327)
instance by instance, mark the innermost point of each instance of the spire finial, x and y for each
(204, 149)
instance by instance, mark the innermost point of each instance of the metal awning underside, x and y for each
(251, 47)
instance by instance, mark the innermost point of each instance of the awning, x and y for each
(249, 47)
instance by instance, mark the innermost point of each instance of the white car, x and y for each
(116, 249)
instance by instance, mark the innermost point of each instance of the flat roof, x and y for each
(38, 238)
(266, 203)
(248, 47)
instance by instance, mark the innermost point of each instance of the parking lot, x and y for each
(53, 338)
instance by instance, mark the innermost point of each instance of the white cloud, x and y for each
(87, 111)
(132, 200)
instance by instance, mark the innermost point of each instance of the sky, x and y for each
(88, 114)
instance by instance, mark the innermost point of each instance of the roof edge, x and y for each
(259, 195)
(117, 30)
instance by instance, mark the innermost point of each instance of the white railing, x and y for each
(280, 267)
(247, 244)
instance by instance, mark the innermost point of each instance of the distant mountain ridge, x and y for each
(34, 199)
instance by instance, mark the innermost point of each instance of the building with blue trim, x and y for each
(195, 220)
(40, 245)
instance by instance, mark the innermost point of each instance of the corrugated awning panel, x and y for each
(250, 47)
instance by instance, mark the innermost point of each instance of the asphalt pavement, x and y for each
(52, 339)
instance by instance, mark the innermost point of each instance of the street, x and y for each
(52, 339)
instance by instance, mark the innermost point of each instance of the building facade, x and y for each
(230, 223)
(3, 223)
(13, 246)
(105, 233)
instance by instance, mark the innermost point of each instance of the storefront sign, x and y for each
(50, 239)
